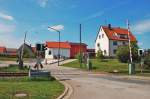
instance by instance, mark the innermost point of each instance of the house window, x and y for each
(115, 43)
(115, 51)
(98, 45)
(99, 36)
(124, 43)
(102, 35)
(105, 52)
(49, 52)
(123, 36)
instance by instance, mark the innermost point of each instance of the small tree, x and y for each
(123, 53)
(147, 60)
(100, 55)
(79, 57)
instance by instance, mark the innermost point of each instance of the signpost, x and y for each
(141, 55)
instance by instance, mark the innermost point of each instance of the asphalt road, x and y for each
(87, 85)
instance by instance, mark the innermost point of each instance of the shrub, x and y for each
(123, 53)
(147, 60)
(79, 57)
(100, 55)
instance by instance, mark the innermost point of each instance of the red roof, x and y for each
(2, 49)
(111, 33)
(65, 45)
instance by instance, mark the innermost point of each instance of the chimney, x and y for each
(109, 26)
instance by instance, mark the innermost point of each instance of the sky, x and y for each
(35, 16)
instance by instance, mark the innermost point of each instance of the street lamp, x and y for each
(58, 43)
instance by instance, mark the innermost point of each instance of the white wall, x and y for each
(104, 42)
(54, 52)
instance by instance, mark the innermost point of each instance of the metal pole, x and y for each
(22, 52)
(59, 48)
(129, 42)
(80, 47)
(58, 57)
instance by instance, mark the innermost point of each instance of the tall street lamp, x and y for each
(58, 43)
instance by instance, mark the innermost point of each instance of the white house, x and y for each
(53, 47)
(109, 38)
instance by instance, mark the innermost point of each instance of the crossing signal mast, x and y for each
(40, 48)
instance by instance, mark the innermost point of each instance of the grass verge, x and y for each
(34, 88)
(109, 66)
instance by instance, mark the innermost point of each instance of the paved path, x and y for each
(87, 85)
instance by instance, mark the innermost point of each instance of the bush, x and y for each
(123, 53)
(79, 57)
(147, 60)
(100, 55)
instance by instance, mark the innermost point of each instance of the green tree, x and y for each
(147, 60)
(123, 53)
(100, 55)
(79, 57)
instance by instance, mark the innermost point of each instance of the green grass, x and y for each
(13, 68)
(35, 89)
(13, 59)
(8, 58)
(109, 66)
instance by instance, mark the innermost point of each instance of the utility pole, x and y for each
(80, 47)
(22, 52)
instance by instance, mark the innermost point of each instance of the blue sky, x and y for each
(34, 16)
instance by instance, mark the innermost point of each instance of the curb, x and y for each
(67, 92)
(137, 77)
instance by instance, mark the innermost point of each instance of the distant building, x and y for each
(67, 49)
(109, 38)
(2, 50)
(8, 51)
(11, 51)
(91, 52)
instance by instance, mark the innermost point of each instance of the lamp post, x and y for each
(58, 43)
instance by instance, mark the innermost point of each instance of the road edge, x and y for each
(67, 92)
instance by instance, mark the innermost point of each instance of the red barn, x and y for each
(75, 49)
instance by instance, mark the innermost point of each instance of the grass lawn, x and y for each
(8, 58)
(39, 88)
(35, 89)
(13, 59)
(108, 66)
(13, 68)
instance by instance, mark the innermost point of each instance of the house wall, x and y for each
(114, 47)
(54, 52)
(75, 49)
(103, 42)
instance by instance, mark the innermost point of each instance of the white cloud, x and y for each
(6, 17)
(42, 3)
(95, 15)
(140, 43)
(103, 11)
(9, 40)
(57, 27)
(4, 28)
(141, 26)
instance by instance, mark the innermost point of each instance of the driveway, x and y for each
(88, 85)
